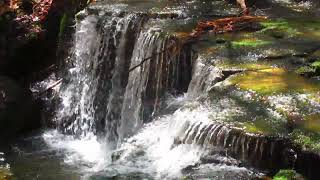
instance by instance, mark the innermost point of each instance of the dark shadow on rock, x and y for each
(18, 110)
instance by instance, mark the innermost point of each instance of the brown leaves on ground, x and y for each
(230, 24)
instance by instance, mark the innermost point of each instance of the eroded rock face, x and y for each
(18, 112)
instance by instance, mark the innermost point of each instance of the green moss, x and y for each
(307, 140)
(286, 174)
(316, 65)
(278, 26)
(63, 24)
(274, 81)
(258, 127)
(292, 27)
(250, 43)
(312, 69)
(272, 24)
(305, 70)
(246, 66)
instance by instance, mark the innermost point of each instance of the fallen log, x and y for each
(230, 24)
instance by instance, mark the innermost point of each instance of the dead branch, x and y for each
(50, 87)
(224, 25)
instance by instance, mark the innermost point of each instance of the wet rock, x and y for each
(116, 156)
(18, 112)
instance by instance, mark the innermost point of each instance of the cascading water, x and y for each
(98, 73)
(119, 72)
(123, 112)
(154, 151)
(142, 99)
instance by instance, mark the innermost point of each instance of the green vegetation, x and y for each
(262, 125)
(273, 81)
(250, 43)
(316, 65)
(278, 27)
(291, 28)
(311, 70)
(286, 174)
(307, 140)
(246, 66)
(305, 70)
(63, 24)
(258, 127)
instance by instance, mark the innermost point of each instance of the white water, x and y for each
(99, 97)
(150, 151)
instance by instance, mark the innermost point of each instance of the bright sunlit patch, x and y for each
(274, 80)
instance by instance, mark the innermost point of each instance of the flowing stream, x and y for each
(138, 102)
(124, 102)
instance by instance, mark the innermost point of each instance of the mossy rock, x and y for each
(251, 42)
(310, 70)
(305, 70)
(316, 66)
(247, 111)
(280, 28)
(274, 80)
(244, 66)
(259, 127)
(287, 174)
(308, 141)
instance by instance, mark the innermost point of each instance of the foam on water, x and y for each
(151, 151)
(87, 151)
(156, 140)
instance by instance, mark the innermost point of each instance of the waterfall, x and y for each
(205, 75)
(168, 71)
(261, 151)
(121, 67)
(98, 67)
(118, 72)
